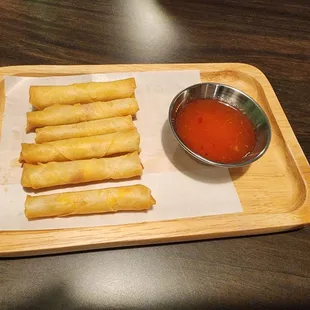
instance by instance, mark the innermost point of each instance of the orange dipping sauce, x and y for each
(215, 131)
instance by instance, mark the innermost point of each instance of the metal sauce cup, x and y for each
(234, 98)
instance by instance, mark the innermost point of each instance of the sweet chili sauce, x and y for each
(215, 131)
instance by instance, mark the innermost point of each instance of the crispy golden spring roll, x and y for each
(81, 171)
(81, 148)
(45, 96)
(84, 129)
(125, 198)
(72, 114)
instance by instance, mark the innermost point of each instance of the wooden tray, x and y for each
(274, 191)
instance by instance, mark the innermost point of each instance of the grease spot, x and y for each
(16, 134)
(4, 180)
(15, 163)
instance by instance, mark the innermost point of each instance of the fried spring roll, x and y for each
(125, 198)
(81, 171)
(45, 96)
(72, 114)
(84, 129)
(81, 148)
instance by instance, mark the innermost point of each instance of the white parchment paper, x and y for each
(181, 187)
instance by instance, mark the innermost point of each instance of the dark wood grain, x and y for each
(256, 272)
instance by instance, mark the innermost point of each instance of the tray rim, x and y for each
(174, 230)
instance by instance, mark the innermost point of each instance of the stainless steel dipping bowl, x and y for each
(235, 98)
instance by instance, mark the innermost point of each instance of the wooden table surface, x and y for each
(269, 272)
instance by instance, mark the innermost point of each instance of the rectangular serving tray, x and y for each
(274, 191)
